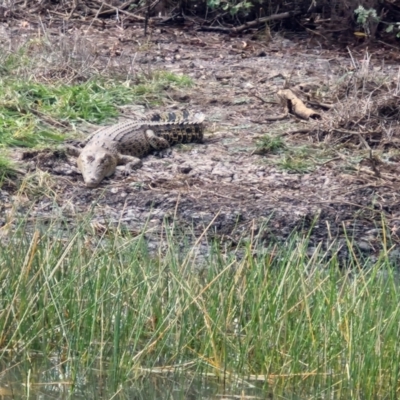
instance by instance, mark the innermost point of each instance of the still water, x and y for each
(36, 378)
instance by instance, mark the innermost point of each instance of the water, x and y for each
(36, 378)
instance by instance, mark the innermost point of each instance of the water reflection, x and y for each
(35, 378)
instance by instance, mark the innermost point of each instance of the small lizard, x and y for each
(127, 142)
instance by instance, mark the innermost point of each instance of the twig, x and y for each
(250, 24)
(365, 144)
(74, 7)
(329, 161)
(48, 119)
(264, 101)
(275, 118)
(390, 45)
(355, 133)
(318, 104)
(97, 14)
(295, 131)
(137, 17)
(146, 21)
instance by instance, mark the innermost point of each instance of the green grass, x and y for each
(36, 110)
(7, 167)
(295, 159)
(10, 62)
(270, 144)
(166, 77)
(304, 324)
(295, 163)
(33, 113)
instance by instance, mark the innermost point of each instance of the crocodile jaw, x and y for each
(95, 164)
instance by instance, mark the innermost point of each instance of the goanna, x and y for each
(127, 142)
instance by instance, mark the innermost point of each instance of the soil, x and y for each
(224, 185)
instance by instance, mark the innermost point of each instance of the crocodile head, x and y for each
(95, 164)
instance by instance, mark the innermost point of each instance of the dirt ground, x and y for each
(224, 184)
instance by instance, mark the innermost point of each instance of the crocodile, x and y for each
(127, 142)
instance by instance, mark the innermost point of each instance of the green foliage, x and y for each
(295, 163)
(163, 77)
(395, 27)
(269, 144)
(231, 6)
(292, 159)
(7, 167)
(366, 17)
(10, 62)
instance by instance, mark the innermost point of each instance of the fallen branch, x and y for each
(296, 106)
(250, 24)
(296, 131)
(272, 118)
(137, 17)
(322, 105)
(264, 101)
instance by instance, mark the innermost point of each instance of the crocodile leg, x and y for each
(72, 150)
(156, 142)
(131, 163)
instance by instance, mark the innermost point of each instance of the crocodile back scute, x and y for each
(130, 138)
(180, 133)
(177, 117)
(178, 127)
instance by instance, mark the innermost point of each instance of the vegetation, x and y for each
(276, 315)
(36, 112)
(7, 167)
(296, 159)
(295, 164)
(357, 19)
(270, 144)
(95, 300)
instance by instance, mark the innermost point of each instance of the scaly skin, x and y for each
(127, 142)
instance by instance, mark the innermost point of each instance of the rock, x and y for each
(185, 168)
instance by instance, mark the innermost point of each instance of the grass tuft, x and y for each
(295, 163)
(7, 167)
(270, 144)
